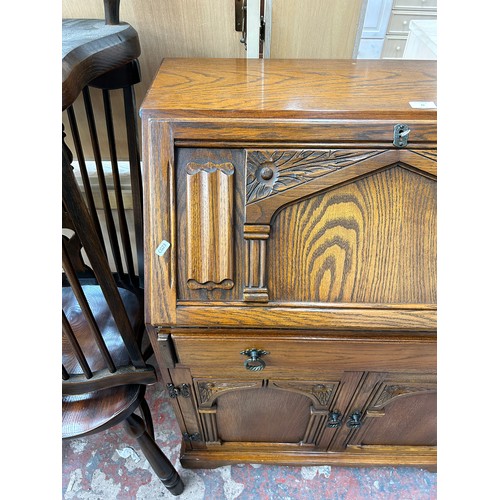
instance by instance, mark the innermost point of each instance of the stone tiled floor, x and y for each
(110, 466)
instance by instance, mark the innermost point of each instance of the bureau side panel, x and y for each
(160, 245)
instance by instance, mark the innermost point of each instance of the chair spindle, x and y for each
(120, 207)
(86, 310)
(135, 174)
(80, 357)
(75, 133)
(88, 237)
(108, 214)
(112, 12)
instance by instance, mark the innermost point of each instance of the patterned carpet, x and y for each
(110, 466)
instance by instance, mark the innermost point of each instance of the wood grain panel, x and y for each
(159, 223)
(258, 415)
(324, 128)
(271, 88)
(209, 202)
(369, 456)
(400, 411)
(400, 425)
(370, 241)
(319, 29)
(383, 318)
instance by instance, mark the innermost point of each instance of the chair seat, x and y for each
(90, 412)
(94, 411)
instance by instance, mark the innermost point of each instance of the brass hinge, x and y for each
(183, 390)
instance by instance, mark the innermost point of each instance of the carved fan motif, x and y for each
(391, 392)
(272, 172)
(210, 390)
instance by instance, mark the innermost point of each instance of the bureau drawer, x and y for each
(303, 354)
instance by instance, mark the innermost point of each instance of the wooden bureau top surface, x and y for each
(274, 88)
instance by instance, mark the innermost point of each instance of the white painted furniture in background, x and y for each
(422, 40)
(403, 12)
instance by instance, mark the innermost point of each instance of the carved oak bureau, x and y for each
(290, 258)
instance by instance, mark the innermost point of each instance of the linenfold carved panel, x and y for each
(209, 203)
(272, 172)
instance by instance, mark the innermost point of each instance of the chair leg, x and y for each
(162, 466)
(146, 415)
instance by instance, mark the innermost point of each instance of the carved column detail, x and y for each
(209, 201)
(256, 236)
(209, 424)
(315, 426)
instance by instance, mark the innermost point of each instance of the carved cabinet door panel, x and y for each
(391, 411)
(262, 411)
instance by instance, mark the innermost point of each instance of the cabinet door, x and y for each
(345, 237)
(304, 413)
(392, 412)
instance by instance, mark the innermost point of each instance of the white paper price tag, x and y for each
(162, 248)
(423, 104)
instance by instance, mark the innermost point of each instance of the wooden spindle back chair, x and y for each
(105, 362)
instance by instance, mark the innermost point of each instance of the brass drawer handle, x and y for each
(254, 363)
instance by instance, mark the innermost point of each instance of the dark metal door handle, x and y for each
(354, 421)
